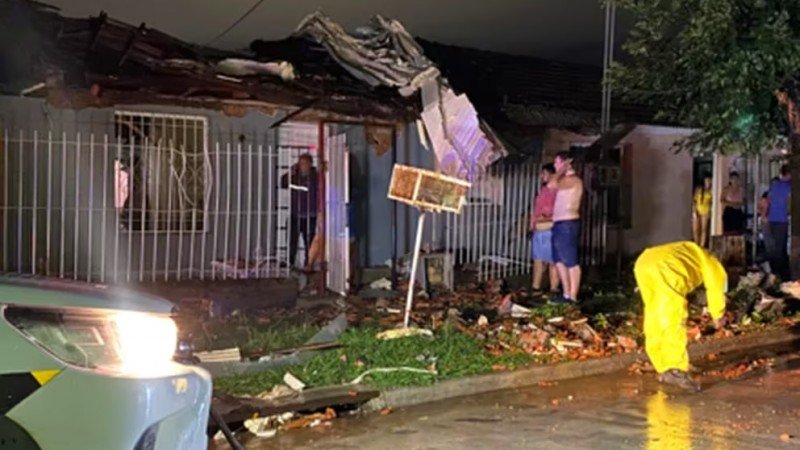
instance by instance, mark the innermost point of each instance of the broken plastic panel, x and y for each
(427, 190)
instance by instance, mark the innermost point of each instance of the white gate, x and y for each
(337, 197)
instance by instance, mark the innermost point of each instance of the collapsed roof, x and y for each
(128, 64)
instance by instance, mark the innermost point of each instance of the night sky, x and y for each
(569, 30)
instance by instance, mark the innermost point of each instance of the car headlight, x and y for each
(147, 342)
(118, 341)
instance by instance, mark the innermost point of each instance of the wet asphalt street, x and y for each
(622, 411)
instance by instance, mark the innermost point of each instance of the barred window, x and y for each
(160, 171)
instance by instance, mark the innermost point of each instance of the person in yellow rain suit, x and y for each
(665, 275)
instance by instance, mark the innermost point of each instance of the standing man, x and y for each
(303, 217)
(665, 275)
(567, 227)
(777, 224)
(541, 228)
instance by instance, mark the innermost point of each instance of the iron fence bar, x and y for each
(271, 191)
(49, 212)
(35, 213)
(6, 206)
(260, 187)
(182, 196)
(227, 208)
(117, 209)
(143, 213)
(129, 199)
(167, 259)
(76, 234)
(193, 166)
(237, 231)
(156, 212)
(91, 212)
(104, 211)
(249, 208)
(19, 202)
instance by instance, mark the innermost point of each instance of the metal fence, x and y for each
(149, 207)
(491, 233)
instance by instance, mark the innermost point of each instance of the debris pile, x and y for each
(514, 324)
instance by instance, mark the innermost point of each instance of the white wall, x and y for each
(661, 184)
(662, 188)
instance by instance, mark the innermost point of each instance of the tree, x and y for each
(722, 67)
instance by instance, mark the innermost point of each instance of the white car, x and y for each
(91, 368)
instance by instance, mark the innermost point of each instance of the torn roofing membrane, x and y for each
(385, 54)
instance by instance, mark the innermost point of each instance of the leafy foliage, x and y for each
(713, 64)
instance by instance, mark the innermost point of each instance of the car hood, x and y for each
(63, 294)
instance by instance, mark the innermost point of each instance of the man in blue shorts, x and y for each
(541, 228)
(567, 226)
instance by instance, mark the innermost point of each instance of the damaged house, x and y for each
(129, 156)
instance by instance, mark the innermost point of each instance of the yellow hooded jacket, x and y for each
(665, 274)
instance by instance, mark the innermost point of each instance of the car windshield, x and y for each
(83, 339)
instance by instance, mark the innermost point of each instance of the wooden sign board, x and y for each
(427, 190)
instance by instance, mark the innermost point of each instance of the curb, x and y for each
(396, 398)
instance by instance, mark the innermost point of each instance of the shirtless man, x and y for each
(567, 227)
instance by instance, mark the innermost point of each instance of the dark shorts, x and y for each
(566, 235)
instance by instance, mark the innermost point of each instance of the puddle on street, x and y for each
(616, 411)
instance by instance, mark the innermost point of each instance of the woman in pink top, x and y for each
(541, 225)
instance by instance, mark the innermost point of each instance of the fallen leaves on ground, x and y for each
(738, 370)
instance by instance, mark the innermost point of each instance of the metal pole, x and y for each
(62, 241)
(217, 184)
(207, 186)
(180, 189)
(259, 196)
(393, 230)
(117, 211)
(104, 211)
(76, 236)
(182, 204)
(168, 234)
(131, 184)
(6, 208)
(143, 213)
(49, 201)
(249, 209)
(91, 210)
(270, 194)
(226, 238)
(19, 200)
(193, 234)
(156, 212)
(321, 195)
(414, 261)
(35, 213)
(238, 206)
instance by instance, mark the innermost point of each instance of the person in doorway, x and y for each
(302, 181)
(777, 228)
(665, 275)
(701, 212)
(567, 227)
(541, 228)
(734, 220)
